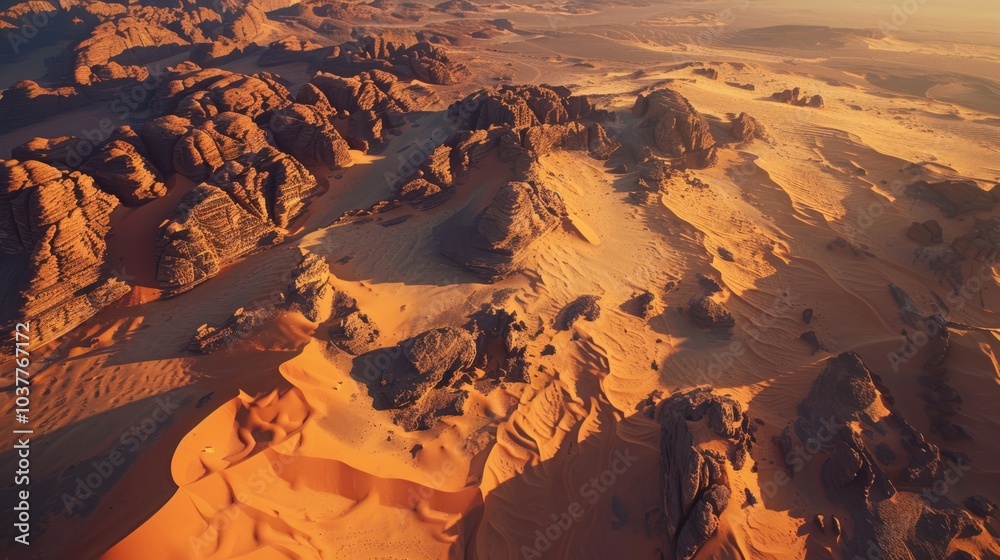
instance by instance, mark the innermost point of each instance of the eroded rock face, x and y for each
(421, 61)
(306, 132)
(745, 129)
(191, 92)
(676, 127)
(493, 248)
(208, 230)
(708, 313)
(58, 224)
(122, 167)
(583, 307)
(694, 486)
(981, 243)
(521, 106)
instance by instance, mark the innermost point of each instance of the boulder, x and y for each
(676, 127)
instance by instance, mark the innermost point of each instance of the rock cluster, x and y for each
(926, 233)
(798, 98)
(694, 484)
(583, 307)
(421, 61)
(522, 106)
(676, 128)
(895, 522)
(55, 227)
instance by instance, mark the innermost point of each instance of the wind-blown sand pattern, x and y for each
(478, 280)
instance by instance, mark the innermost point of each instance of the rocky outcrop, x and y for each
(117, 50)
(798, 98)
(494, 246)
(57, 224)
(745, 129)
(355, 333)
(122, 167)
(583, 307)
(694, 485)
(419, 379)
(291, 49)
(309, 292)
(426, 361)
(981, 243)
(521, 106)
(708, 313)
(307, 133)
(189, 91)
(926, 233)
(207, 231)
(501, 339)
(899, 524)
(952, 197)
(421, 61)
(26, 102)
(676, 128)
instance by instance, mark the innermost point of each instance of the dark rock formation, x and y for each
(981, 506)
(521, 106)
(495, 245)
(708, 313)
(676, 127)
(694, 486)
(426, 361)
(355, 334)
(952, 197)
(981, 243)
(583, 307)
(927, 233)
(898, 524)
(810, 338)
(798, 98)
(502, 340)
(309, 293)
